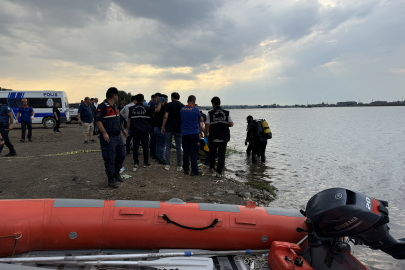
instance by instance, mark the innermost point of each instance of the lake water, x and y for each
(313, 149)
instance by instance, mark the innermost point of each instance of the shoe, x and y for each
(111, 182)
(11, 154)
(57, 132)
(29, 140)
(167, 167)
(135, 167)
(93, 140)
(22, 140)
(86, 142)
(179, 168)
(212, 170)
(118, 177)
(186, 172)
(146, 165)
(218, 175)
(162, 162)
(196, 173)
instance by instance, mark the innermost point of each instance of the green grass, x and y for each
(232, 150)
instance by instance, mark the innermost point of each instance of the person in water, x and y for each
(255, 138)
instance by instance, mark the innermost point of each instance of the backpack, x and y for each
(264, 129)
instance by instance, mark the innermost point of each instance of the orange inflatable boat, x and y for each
(60, 224)
(317, 238)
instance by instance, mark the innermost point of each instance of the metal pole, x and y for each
(302, 240)
(130, 256)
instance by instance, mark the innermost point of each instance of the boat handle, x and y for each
(189, 228)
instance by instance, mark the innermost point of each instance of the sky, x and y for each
(245, 52)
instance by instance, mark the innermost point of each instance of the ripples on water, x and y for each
(313, 149)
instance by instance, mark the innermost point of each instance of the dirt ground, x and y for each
(82, 175)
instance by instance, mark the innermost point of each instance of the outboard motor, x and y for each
(338, 212)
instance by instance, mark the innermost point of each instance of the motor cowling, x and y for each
(340, 212)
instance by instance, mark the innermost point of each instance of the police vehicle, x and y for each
(42, 102)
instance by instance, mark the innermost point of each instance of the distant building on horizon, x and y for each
(347, 103)
(378, 102)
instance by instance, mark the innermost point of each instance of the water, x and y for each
(314, 149)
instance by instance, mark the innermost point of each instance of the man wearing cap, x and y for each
(27, 114)
(112, 145)
(6, 124)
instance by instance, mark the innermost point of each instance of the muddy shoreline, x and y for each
(38, 172)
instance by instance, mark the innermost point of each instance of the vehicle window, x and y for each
(43, 102)
(3, 101)
(74, 105)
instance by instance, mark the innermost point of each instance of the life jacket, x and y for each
(111, 120)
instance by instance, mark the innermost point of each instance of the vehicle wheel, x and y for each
(49, 122)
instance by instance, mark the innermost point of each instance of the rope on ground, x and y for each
(58, 154)
(259, 261)
(15, 241)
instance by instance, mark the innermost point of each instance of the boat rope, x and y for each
(15, 241)
(258, 260)
(190, 228)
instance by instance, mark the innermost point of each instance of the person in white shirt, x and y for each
(96, 102)
(125, 114)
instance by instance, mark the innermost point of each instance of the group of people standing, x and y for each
(163, 122)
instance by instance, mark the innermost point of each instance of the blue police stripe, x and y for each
(43, 114)
(19, 96)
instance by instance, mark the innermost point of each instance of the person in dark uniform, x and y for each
(139, 125)
(217, 129)
(257, 142)
(6, 124)
(56, 114)
(27, 114)
(112, 145)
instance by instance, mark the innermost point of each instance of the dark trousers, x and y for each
(24, 126)
(221, 147)
(143, 139)
(56, 128)
(191, 145)
(4, 133)
(259, 149)
(128, 142)
(113, 153)
(152, 142)
(249, 148)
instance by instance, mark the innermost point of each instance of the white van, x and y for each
(42, 102)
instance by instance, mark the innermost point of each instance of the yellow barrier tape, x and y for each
(59, 154)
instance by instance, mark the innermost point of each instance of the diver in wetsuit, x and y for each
(257, 142)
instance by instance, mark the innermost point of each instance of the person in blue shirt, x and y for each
(6, 124)
(190, 129)
(85, 115)
(27, 114)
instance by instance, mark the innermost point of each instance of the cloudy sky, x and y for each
(245, 52)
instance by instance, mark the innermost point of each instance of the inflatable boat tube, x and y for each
(67, 224)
